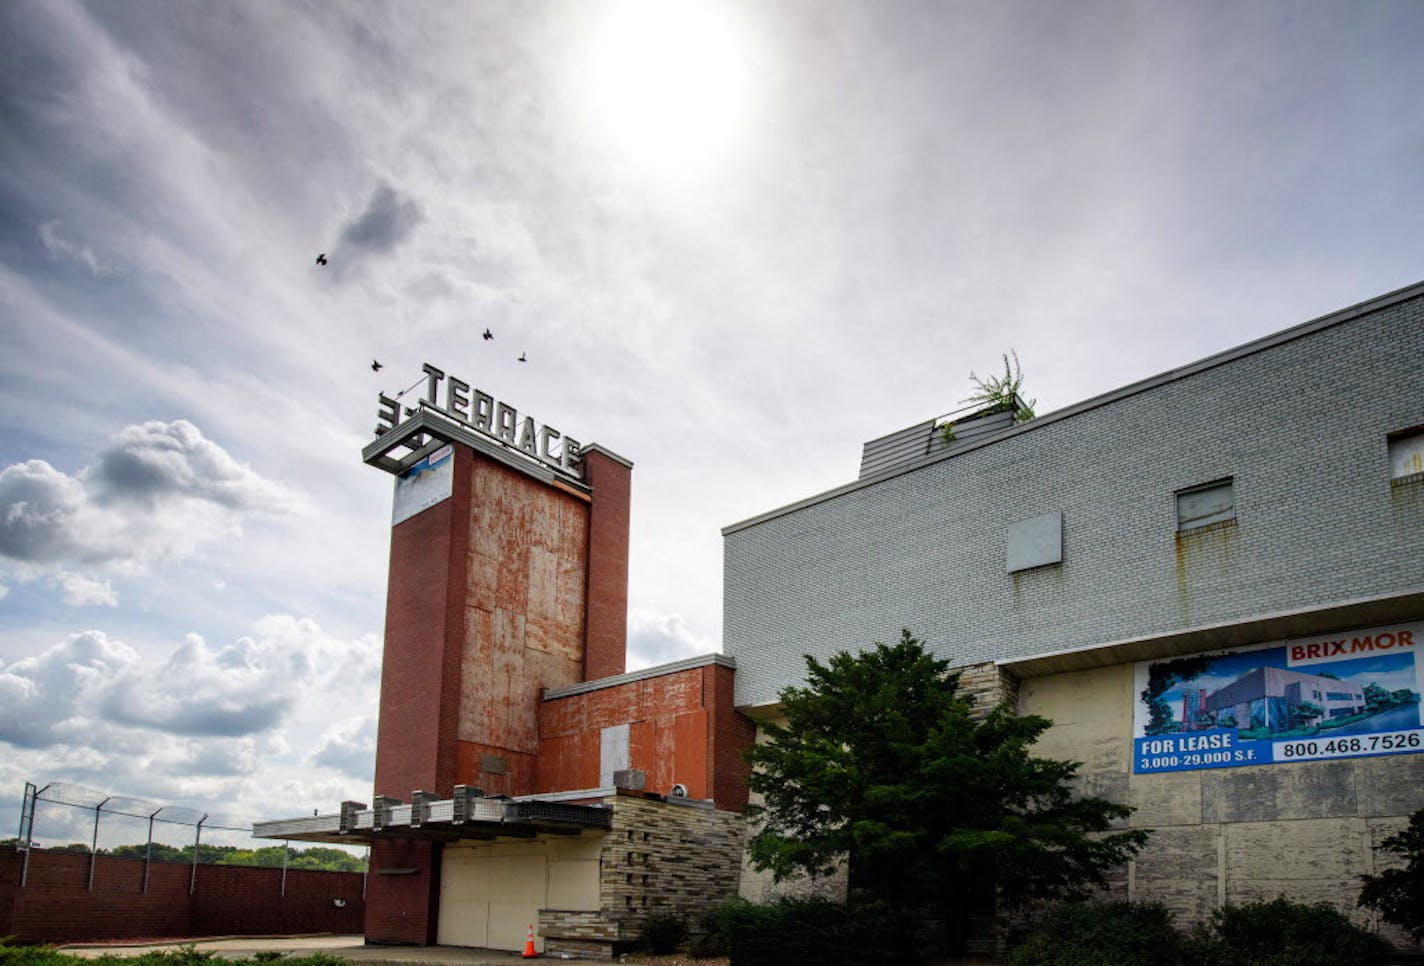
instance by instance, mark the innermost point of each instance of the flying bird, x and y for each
(376, 366)
(488, 335)
(523, 357)
(321, 259)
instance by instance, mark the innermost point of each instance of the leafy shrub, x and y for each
(1398, 894)
(32, 956)
(1103, 934)
(1285, 933)
(664, 931)
(1275, 933)
(711, 929)
(818, 932)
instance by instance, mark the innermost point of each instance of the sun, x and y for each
(667, 82)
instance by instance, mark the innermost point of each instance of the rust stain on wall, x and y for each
(1202, 553)
(526, 564)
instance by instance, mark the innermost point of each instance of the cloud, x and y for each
(158, 491)
(386, 222)
(348, 747)
(659, 638)
(40, 695)
(81, 591)
(92, 691)
(157, 461)
(63, 248)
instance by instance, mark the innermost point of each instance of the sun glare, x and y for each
(667, 82)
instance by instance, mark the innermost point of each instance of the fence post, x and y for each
(286, 847)
(94, 844)
(148, 849)
(27, 828)
(197, 839)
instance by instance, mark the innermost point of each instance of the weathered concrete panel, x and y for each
(1333, 850)
(1181, 870)
(1308, 790)
(1390, 784)
(1170, 798)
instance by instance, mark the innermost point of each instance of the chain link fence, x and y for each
(100, 823)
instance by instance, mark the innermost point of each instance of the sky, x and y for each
(735, 239)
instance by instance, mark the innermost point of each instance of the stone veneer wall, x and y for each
(656, 856)
(988, 686)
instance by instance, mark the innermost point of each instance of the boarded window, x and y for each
(1406, 453)
(1204, 505)
(612, 753)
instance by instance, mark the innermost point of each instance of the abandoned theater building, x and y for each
(1211, 581)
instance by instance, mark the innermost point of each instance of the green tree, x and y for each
(330, 860)
(1376, 697)
(159, 852)
(1398, 894)
(1161, 675)
(76, 848)
(1307, 711)
(882, 764)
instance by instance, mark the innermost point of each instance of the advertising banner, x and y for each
(424, 484)
(1343, 695)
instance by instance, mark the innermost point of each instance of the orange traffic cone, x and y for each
(529, 952)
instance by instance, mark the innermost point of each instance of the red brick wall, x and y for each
(420, 672)
(683, 728)
(731, 735)
(402, 892)
(607, 637)
(56, 905)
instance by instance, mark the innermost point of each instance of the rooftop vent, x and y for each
(908, 446)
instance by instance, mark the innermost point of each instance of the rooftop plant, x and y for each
(997, 394)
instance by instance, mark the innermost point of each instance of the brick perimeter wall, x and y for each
(56, 906)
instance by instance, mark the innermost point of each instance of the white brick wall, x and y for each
(1300, 425)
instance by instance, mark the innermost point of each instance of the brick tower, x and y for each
(508, 576)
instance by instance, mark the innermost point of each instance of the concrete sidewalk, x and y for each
(352, 948)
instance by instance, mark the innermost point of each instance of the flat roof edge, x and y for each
(642, 674)
(1278, 625)
(1272, 340)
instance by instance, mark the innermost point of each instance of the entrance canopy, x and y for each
(468, 815)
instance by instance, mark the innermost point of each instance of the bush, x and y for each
(664, 931)
(1103, 934)
(1398, 894)
(711, 929)
(1275, 933)
(31, 956)
(1285, 933)
(818, 932)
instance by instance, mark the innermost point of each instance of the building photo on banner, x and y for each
(1338, 696)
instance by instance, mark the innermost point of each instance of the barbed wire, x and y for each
(79, 796)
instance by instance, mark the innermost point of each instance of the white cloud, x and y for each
(63, 686)
(655, 638)
(349, 747)
(157, 492)
(81, 591)
(92, 690)
(62, 247)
